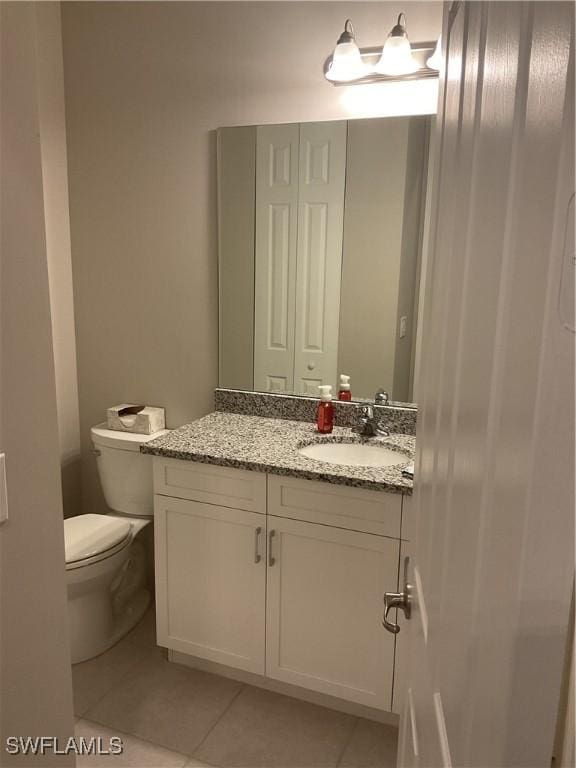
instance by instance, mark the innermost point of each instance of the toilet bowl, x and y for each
(106, 559)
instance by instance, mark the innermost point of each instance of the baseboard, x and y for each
(312, 697)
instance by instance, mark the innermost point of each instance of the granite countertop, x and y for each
(271, 445)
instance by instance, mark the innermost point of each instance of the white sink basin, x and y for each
(354, 454)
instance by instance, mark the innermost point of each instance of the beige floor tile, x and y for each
(136, 753)
(168, 704)
(373, 745)
(267, 730)
(193, 763)
(144, 633)
(92, 679)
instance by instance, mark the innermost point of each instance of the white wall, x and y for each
(57, 219)
(147, 85)
(35, 676)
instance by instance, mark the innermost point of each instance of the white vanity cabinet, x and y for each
(278, 576)
(324, 605)
(332, 552)
(210, 562)
(211, 581)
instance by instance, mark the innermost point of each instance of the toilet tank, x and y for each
(125, 473)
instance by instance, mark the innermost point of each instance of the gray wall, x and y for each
(147, 84)
(410, 261)
(35, 674)
(236, 222)
(380, 255)
(57, 218)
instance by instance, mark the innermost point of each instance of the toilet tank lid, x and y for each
(124, 441)
(89, 535)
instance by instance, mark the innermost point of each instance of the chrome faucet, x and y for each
(369, 423)
(381, 397)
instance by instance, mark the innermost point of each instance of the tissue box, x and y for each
(143, 419)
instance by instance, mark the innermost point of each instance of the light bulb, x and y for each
(346, 64)
(397, 56)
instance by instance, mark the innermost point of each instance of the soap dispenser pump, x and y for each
(325, 413)
(344, 392)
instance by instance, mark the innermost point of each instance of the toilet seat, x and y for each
(91, 538)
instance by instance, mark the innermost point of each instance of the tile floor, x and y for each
(172, 716)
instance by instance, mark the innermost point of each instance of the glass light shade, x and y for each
(397, 57)
(346, 64)
(435, 61)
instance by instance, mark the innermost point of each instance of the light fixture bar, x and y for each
(370, 57)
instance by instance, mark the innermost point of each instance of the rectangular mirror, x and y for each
(320, 254)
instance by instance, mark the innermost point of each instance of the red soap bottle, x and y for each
(344, 393)
(325, 413)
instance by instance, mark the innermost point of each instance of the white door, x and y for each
(324, 603)
(493, 515)
(320, 222)
(275, 256)
(35, 670)
(211, 581)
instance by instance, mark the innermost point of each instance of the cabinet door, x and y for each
(211, 581)
(324, 610)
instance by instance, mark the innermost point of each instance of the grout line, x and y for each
(224, 711)
(347, 742)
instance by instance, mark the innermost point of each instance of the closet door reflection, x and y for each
(300, 173)
(319, 254)
(275, 256)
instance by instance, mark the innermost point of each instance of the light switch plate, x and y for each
(403, 324)
(3, 490)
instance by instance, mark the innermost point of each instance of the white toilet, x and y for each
(105, 560)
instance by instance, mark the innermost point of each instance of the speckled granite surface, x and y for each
(271, 445)
(399, 418)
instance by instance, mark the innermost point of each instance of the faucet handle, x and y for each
(381, 397)
(365, 416)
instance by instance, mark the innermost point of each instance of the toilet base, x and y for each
(131, 615)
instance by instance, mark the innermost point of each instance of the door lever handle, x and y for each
(396, 600)
(402, 600)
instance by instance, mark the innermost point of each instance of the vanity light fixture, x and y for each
(346, 64)
(397, 59)
(435, 61)
(397, 56)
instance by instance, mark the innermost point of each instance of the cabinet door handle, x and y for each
(271, 558)
(257, 555)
